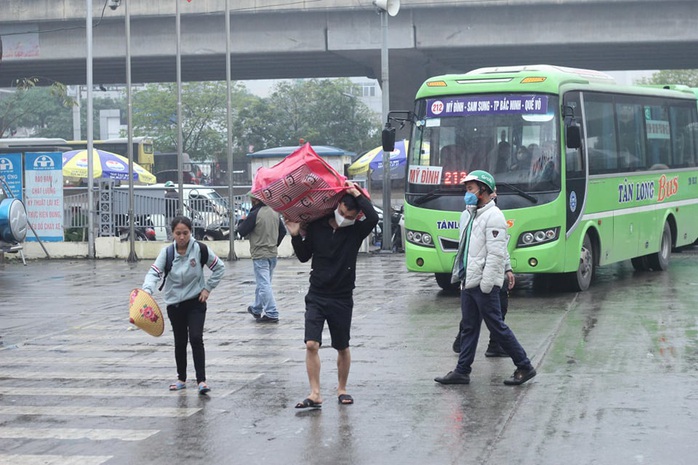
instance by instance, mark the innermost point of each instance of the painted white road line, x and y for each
(130, 337)
(76, 362)
(16, 459)
(121, 349)
(77, 433)
(44, 375)
(98, 411)
(106, 392)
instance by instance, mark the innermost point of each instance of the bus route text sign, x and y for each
(487, 105)
(44, 195)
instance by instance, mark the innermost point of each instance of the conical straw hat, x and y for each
(145, 313)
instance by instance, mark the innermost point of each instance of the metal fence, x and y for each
(206, 206)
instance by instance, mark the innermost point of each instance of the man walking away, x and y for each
(171, 201)
(265, 230)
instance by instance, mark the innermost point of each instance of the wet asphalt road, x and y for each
(617, 382)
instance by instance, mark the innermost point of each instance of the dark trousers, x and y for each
(187, 320)
(476, 307)
(504, 305)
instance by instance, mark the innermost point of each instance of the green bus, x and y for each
(588, 172)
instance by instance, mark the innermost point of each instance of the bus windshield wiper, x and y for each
(436, 193)
(522, 193)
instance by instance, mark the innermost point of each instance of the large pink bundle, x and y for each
(303, 187)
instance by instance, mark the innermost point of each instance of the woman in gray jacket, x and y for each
(186, 293)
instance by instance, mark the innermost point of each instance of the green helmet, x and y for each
(481, 176)
(169, 184)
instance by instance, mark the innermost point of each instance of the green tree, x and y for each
(203, 117)
(320, 111)
(34, 103)
(687, 77)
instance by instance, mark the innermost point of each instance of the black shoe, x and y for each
(267, 319)
(456, 345)
(495, 350)
(453, 377)
(520, 376)
(256, 316)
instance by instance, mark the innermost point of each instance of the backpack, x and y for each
(169, 258)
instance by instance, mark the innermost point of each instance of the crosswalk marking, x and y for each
(77, 433)
(73, 411)
(135, 336)
(105, 392)
(237, 346)
(14, 459)
(162, 363)
(43, 375)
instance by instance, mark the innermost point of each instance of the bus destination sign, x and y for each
(487, 105)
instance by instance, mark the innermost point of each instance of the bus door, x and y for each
(575, 166)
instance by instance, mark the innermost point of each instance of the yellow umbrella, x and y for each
(104, 165)
(362, 164)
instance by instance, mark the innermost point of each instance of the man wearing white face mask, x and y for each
(333, 243)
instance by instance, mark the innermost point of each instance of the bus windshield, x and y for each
(512, 136)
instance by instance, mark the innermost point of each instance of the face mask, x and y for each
(341, 221)
(470, 198)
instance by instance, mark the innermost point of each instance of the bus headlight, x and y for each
(537, 237)
(419, 238)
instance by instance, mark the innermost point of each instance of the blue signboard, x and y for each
(11, 170)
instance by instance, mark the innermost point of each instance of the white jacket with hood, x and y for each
(482, 250)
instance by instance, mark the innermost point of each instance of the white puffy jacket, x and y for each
(484, 244)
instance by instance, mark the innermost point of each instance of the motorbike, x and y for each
(397, 223)
(220, 231)
(143, 230)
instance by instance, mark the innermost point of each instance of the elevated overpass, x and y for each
(330, 38)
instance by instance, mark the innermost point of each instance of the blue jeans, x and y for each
(475, 307)
(263, 296)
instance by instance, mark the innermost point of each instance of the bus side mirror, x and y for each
(388, 138)
(573, 135)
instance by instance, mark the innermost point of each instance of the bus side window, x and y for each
(601, 134)
(630, 136)
(682, 137)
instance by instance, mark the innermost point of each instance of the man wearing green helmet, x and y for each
(479, 267)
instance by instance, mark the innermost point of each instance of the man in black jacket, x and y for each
(333, 243)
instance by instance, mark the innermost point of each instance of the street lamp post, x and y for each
(132, 257)
(385, 8)
(90, 139)
(229, 115)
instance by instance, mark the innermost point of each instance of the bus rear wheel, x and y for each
(444, 282)
(660, 261)
(581, 279)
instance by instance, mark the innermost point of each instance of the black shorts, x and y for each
(336, 310)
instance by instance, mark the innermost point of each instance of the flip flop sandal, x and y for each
(203, 388)
(345, 399)
(309, 403)
(178, 386)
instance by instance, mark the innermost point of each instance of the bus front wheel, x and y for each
(581, 279)
(660, 261)
(444, 282)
